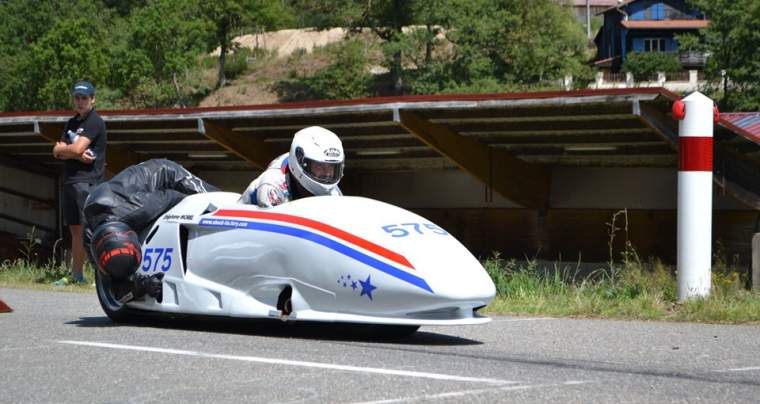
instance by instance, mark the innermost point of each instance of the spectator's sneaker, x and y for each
(70, 280)
(61, 282)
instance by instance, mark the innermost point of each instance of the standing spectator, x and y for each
(83, 150)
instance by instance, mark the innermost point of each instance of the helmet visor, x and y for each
(323, 172)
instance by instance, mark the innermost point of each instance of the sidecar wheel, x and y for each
(118, 312)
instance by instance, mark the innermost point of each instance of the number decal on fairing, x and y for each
(405, 229)
(152, 257)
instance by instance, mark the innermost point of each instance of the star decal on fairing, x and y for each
(365, 287)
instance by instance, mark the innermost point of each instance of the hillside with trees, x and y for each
(160, 53)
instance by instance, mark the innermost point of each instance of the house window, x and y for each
(654, 45)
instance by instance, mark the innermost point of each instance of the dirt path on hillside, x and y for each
(286, 41)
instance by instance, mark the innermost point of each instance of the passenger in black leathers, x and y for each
(118, 210)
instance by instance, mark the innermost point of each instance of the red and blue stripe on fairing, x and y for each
(347, 248)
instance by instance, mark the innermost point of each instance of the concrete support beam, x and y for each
(524, 183)
(247, 147)
(50, 131)
(662, 124)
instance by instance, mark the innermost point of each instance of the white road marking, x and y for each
(747, 369)
(457, 394)
(393, 372)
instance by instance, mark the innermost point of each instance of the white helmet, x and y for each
(316, 159)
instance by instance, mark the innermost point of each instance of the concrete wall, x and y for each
(576, 188)
(425, 189)
(583, 202)
(230, 181)
(22, 214)
(603, 188)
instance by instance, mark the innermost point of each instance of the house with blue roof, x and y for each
(647, 26)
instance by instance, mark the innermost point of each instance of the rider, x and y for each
(313, 167)
(120, 209)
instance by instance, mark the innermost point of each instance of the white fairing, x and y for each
(345, 259)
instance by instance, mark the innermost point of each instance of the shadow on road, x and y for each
(404, 335)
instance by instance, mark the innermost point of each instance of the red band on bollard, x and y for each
(678, 110)
(695, 154)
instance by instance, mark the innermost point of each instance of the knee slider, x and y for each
(116, 250)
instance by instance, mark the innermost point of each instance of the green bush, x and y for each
(345, 78)
(151, 93)
(646, 65)
(237, 62)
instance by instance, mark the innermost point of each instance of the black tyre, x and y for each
(114, 309)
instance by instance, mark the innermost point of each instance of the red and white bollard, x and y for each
(696, 114)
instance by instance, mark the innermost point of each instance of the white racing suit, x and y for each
(273, 186)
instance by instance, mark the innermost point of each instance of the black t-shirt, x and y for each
(93, 128)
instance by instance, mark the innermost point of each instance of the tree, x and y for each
(490, 44)
(385, 18)
(230, 16)
(500, 45)
(345, 78)
(433, 14)
(322, 14)
(523, 41)
(733, 42)
(24, 24)
(644, 65)
(162, 41)
(71, 50)
(124, 8)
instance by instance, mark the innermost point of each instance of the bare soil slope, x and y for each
(289, 51)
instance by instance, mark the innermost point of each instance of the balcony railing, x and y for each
(678, 76)
(613, 77)
(671, 14)
(683, 75)
(692, 58)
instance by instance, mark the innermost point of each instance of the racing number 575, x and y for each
(404, 229)
(154, 256)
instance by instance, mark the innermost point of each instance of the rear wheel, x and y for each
(107, 295)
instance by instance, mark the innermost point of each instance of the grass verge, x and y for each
(22, 273)
(632, 290)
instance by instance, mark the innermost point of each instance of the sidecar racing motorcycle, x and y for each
(329, 259)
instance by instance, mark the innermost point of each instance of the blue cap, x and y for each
(84, 88)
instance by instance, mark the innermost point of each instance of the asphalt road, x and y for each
(60, 347)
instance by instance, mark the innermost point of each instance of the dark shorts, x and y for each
(74, 196)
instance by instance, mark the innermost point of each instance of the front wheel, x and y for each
(117, 311)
